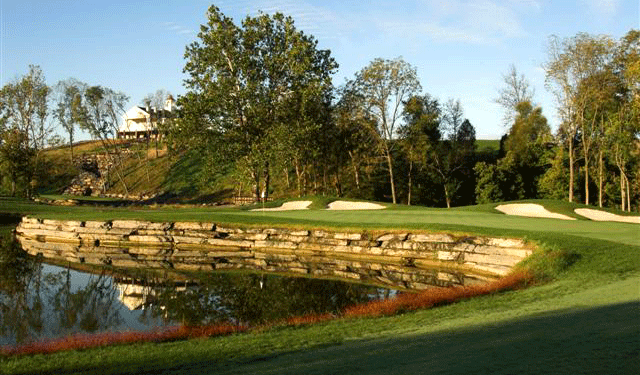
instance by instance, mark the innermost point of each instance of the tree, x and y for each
(99, 113)
(450, 158)
(516, 175)
(623, 130)
(571, 62)
(419, 133)
(156, 100)
(516, 89)
(356, 130)
(69, 99)
(16, 158)
(245, 83)
(384, 86)
(24, 106)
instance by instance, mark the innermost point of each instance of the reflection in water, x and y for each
(39, 300)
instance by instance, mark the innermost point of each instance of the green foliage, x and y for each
(249, 83)
(24, 107)
(17, 160)
(68, 111)
(383, 86)
(516, 175)
(553, 183)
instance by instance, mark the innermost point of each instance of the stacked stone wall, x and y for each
(93, 171)
(406, 260)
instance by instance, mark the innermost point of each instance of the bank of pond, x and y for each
(61, 278)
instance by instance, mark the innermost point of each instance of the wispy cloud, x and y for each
(532, 4)
(176, 28)
(473, 22)
(468, 21)
(603, 9)
(317, 20)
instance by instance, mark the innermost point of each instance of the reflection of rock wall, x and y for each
(405, 260)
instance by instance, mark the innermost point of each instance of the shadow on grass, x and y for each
(603, 340)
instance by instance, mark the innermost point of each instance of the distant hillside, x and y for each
(486, 145)
(145, 170)
(149, 171)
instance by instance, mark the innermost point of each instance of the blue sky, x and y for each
(460, 48)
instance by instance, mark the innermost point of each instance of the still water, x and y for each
(40, 301)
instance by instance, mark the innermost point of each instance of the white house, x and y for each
(142, 122)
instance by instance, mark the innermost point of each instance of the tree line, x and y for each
(262, 114)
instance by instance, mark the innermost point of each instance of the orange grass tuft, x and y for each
(435, 297)
(310, 319)
(87, 341)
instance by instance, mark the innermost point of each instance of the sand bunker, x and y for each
(345, 205)
(288, 206)
(530, 210)
(597, 215)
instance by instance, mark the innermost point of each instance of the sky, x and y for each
(461, 49)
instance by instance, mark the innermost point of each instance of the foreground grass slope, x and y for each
(583, 319)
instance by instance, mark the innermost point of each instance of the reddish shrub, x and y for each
(86, 341)
(435, 297)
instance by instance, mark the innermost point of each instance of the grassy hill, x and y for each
(179, 178)
(145, 170)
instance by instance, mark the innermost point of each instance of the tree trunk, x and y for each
(71, 147)
(315, 179)
(324, 180)
(338, 184)
(267, 180)
(446, 196)
(298, 177)
(390, 164)
(586, 180)
(571, 176)
(355, 170)
(628, 193)
(409, 183)
(600, 178)
(256, 179)
(286, 176)
(622, 191)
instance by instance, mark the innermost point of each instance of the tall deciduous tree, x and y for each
(385, 85)
(245, 83)
(356, 130)
(516, 89)
(517, 174)
(68, 102)
(16, 158)
(419, 133)
(25, 106)
(24, 110)
(450, 157)
(623, 124)
(571, 61)
(99, 114)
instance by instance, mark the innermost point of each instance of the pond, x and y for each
(41, 301)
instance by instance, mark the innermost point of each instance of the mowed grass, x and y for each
(584, 318)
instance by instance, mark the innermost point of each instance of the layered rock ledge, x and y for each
(412, 260)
